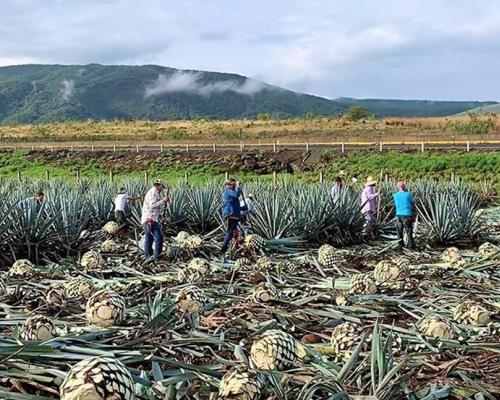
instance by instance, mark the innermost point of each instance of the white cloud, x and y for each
(68, 88)
(184, 81)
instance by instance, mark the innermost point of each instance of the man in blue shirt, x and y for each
(404, 203)
(231, 210)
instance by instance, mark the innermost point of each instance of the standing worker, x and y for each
(369, 201)
(121, 201)
(337, 189)
(231, 210)
(404, 203)
(153, 202)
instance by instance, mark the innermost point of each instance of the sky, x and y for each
(402, 49)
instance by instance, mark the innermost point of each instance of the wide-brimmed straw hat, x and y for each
(122, 190)
(159, 182)
(342, 173)
(370, 181)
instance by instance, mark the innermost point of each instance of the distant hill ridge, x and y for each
(46, 93)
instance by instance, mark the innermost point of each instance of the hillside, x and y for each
(46, 93)
(484, 110)
(43, 93)
(413, 108)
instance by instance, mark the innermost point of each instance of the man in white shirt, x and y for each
(121, 201)
(150, 219)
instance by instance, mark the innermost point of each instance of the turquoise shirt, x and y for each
(404, 204)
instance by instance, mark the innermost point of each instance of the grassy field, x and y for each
(175, 166)
(291, 130)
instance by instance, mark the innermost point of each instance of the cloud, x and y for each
(192, 82)
(68, 88)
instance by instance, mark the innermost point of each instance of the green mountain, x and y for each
(413, 108)
(44, 93)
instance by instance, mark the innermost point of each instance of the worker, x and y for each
(154, 200)
(247, 207)
(343, 176)
(337, 189)
(122, 199)
(369, 200)
(231, 210)
(36, 201)
(404, 203)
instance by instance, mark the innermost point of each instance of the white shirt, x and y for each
(121, 201)
(153, 201)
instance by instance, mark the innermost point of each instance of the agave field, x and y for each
(307, 307)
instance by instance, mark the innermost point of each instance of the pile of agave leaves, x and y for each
(178, 353)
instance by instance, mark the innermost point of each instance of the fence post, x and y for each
(214, 148)
(381, 146)
(342, 147)
(307, 146)
(111, 176)
(92, 148)
(274, 147)
(114, 148)
(32, 147)
(47, 175)
(422, 146)
(320, 176)
(187, 148)
(161, 148)
(146, 178)
(242, 146)
(72, 148)
(468, 145)
(137, 148)
(51, 149)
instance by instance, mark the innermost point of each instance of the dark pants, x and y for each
(152, 234)
(405, 223)
(121, 219)
(231, 226)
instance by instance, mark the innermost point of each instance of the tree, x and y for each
(355, 113)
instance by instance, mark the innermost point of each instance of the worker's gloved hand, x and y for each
(149, 223)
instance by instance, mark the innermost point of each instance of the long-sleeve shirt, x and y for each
(151, 206)
(368, 200)
(335, 193)
(231, 203)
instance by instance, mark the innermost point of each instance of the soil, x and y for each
(290, 161)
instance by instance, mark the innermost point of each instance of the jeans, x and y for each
(232, 225)
(405, 223)
(153, 235)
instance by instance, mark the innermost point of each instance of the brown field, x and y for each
(231, 131)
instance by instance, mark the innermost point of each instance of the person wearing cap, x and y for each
(369, 200)
(121, 201)
(231, 210)
(150, 219)
(404, 203)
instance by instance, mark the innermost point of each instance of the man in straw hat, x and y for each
(121, 201)
(369, 200)
(231, 210)
(153, 202)
(404, 203)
